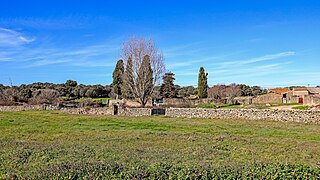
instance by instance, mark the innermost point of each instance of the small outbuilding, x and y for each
(300, 93)
(314, 90)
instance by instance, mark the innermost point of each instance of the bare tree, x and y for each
(44, 96)
(233, 91)
(135, 50)
(217, 91)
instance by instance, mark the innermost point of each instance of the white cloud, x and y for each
(5, 59)
(268, 57)
(48, 62)
(97, 55)
(10, 38)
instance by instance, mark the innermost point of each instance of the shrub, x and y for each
(116, 170)
(301, 107)
(204, 106)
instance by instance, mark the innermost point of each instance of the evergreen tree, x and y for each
(168, 89)
(117, 76)
(202, 83)
(128, 81)
(144, 81)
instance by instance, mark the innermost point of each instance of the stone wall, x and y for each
(134, 112)
(267, 99)
(28, 107)
(109, 111)
(129, 103)
(246, 100)
(181, 101)
(252, 114)
(311, 100)
(134, 103)
(291, 98)
(89, 111)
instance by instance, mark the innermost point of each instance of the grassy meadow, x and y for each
(37, 144)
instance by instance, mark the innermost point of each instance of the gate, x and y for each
(300, 100)
(158, 111)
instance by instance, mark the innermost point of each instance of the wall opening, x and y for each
(115, 110)
(300, 100)
(158, 111)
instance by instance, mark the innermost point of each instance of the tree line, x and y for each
(137, 76)
(39, 93)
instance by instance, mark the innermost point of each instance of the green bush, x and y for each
(301, 107)
(224, 105)
(116, 170)
(203, 106)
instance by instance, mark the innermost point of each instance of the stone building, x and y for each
(311, 100)
(278, 95)
(300, 93)
(314, 90)
(267, 98)
(246, 100)
(313, 97)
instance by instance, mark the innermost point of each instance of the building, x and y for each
(268, 98)
(314, 90)
(300, 93)
(313, 98)
(287, 95)
(279, 90)
(245, 100)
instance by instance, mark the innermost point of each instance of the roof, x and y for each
(279, 90)
(300, 89)
(314, 90)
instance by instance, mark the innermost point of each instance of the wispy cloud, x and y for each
(5, 59)
(47, 62)
(260, 59)
(10, 38)
(273, 24)
(227, 72)
(67, 22)
(97, 55)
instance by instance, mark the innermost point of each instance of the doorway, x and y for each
(115, 110)
(158, 111)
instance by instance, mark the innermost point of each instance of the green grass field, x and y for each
(104, 100)
(37, 144)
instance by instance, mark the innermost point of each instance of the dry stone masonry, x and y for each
(252, 114)
(310, 116)
(88, 111)
(135, 112)
(28, 107)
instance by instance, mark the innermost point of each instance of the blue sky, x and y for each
(268, 42)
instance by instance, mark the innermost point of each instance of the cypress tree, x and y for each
(128, 81)
(167, 89)
(117, 76)
(202, 83)
(145, 81)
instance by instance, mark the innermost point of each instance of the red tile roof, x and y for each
(300, 89)
(279, 90)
